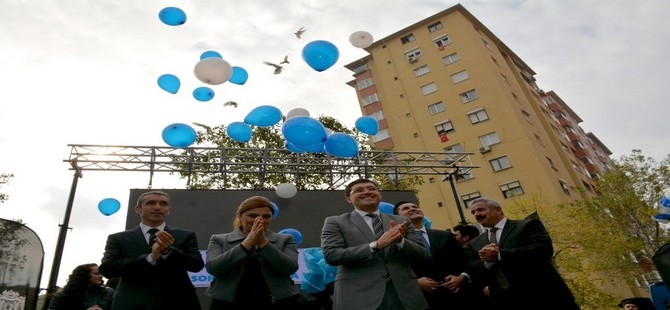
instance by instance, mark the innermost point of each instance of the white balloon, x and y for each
(286, 190)
(361, 39)
(297, 112)
(213, 70)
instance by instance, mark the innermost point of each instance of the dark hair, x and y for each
(347, 189)
(78, 284)
(140, 200)
(398, 204)
(252, 202)
(467, 230)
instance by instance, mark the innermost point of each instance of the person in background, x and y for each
(252, 265)
(153, 260)
(513, 261)
(464, 233)
(637, 303)
(84, 290)
(442, 276)
(373, 252)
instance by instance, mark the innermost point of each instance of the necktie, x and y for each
(376, 225)
(492, 235)
(152, 236)
(421, 234)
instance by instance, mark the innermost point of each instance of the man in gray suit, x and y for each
(374, 272)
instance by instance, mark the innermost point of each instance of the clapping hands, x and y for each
(256, 236)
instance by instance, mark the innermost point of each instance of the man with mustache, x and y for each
(512, 262)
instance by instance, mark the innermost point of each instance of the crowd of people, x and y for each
(384, 261)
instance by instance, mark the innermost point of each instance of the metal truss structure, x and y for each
(263, 162)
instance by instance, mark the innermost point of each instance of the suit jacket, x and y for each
(526, 252)
(360, 282)
(165, 285)
(447, 257)
(225, 261)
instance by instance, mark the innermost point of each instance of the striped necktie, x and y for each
(376, 225)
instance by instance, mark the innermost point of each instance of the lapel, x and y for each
(358, 221)
(509, 227)
(137, 238)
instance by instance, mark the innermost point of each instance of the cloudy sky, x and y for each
(84, 72)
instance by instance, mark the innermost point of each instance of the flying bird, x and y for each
(278, 68)
(285, 61)
(207, 128)
(230, 103)
(300, 31)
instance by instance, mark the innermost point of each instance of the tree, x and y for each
(243, 170)
(4, 179)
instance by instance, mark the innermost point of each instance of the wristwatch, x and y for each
(373, 246)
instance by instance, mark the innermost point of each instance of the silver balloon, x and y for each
(297, 112)
(361, 39)
(213, 70)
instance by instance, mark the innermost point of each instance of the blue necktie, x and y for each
(376, 225)
(421, 233)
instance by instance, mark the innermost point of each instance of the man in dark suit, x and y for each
(374, 272)
(152, 260)
(442, 276)
(513, 262)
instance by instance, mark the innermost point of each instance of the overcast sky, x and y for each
(84, 72)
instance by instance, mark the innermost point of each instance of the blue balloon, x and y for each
(172, 16)
(275, 207)
(341, 145)
(179, 135)
(265, 115)
(317, 148)
(238, 131)
(386, 207)
(427, 222)
(109, 206)
(203, 94)
(320, 55)
(210, 54)
(303, 130)
(665, 201)
(297, 235)
(239, 76)
(367, 124)
(169, 83)
(294, 149)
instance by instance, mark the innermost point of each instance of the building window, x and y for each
(489, 139)
(478, 116)
(444, 127)
(360, 69)
(460, 76)
(416, 135)
(428, 89)
(435, 27)
(413, 55)
(450, 59)
(362, 84)
(527, 116)
(408, 115)
(382, 134)
(511, 189)
(442, 42)
(500, 163)
(370, 99)
(538, 140)
(467, 198)
(421, 70)
(431, 180)
(551, 164)
(378, 115)
(436, 108)
(486, 43)
(469, 96)
(495, 61)
(408, 38)
(440, 204)
(453, 153)
(564, 186)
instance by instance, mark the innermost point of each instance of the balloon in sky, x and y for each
(172, 16)
(341, 145)
(320, 55)
(303, 130)
(275, 207)
(386, 207)
(317, 148)
(286, 190)
(367, 124)
(297, 112)
(203, 94)
(361, 39)
(209, 54)
(238, 131)
(239, 76)
(179, 135)
(265, 115)
(109, 206)
(294, 149)
(169, 83)
(213, 71)
(297, 235)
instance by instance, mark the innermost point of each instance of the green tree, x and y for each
(4, 179)
(242, 169)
